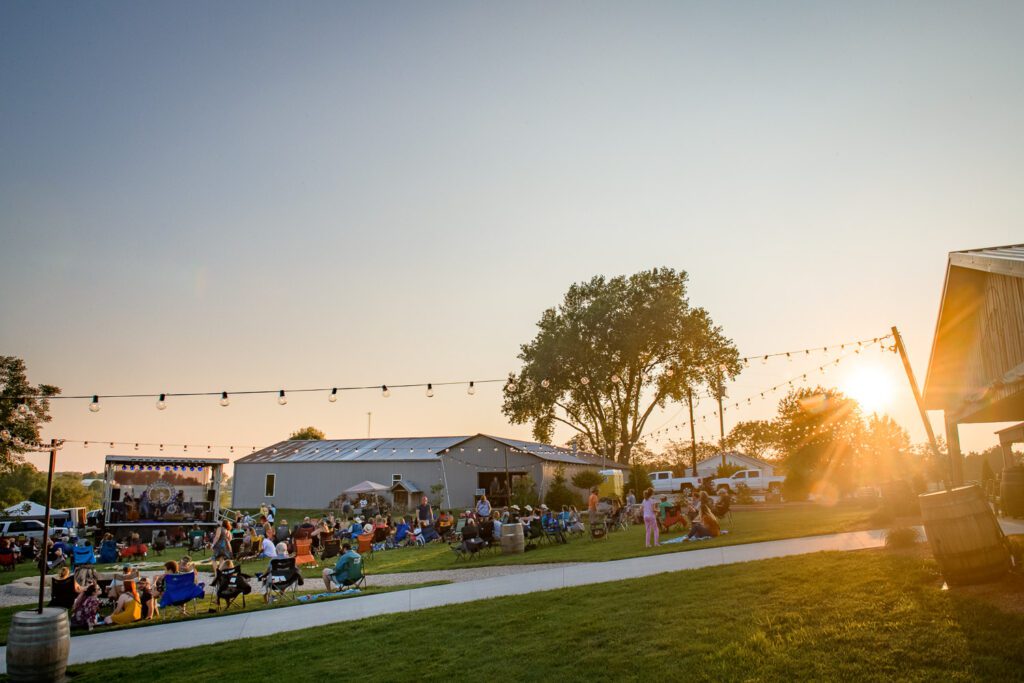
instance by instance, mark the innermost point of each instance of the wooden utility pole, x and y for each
(46, 528)
(693, 432)
(902, 350)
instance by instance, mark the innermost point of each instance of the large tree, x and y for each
(613, 351)
(307, 434)
(20, 418)
(754, 437)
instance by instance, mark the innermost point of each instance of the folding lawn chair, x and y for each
(196, 541)
(108, 551)
(181, 589)
(331, 548)
(282, 578)
(599, 527)
(304, 552)
(62, 592)
(83, 555)
(674, 516)
(230, 584)
(236, 546)
(8, 561)
(365, 545)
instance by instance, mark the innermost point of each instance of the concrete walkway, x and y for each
(171, 636)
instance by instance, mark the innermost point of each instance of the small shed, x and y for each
(976, 368)
(405, 494)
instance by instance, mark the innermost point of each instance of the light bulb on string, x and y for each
(281, 398)
(384, 391)
(224, 400)
(669, 372)
(5, 435)
(333, 397)
(136, 446)
(94, 407)
(23, 409)
(430, 390)
(584, 380)
(161, 402)
(545, 383)
(511, 387)
(471, 389)
(616, 379)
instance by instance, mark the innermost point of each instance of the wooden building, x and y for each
(976, 369)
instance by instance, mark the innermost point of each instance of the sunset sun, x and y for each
(871, 387)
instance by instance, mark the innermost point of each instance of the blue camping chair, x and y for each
(83, 554)
(181, 589)
(108, 552)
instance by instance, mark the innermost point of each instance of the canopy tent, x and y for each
(367, 487)
(27, 508)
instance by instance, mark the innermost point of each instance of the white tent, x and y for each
(27, 508)
(367, 487)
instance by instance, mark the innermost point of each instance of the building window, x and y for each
(270, 485)
(396, 477)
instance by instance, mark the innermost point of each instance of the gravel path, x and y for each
(25, 591)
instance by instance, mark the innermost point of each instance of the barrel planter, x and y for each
(38, 645)
(512, 538)
(1011, 492)
(965, 536)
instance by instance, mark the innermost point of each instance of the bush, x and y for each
(743, 495)
(586, 479)
(639, 480)
(901, 537)
(524, 492)
(796, 486)
(882, 516)
(727, 470)
(558, 494)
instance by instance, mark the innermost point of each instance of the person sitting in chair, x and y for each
(267, 549)
(86, 607)
(344, 569)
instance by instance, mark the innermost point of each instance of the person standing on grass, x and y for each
(424, 512)
(592, 505)
(631, 499)
(650, 510)
(483, 508)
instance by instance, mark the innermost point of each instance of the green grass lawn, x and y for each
(254, 603)
(746, 526)
(867, 615)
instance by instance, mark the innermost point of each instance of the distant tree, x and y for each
(639, 481)
(68, 492)
(727, 470)
(613, 351)
(754, 437)
(884, 451)
(558, 494)
(524, 491)
(820, 432)
(22, 425)
(586, 479)
(307, 434)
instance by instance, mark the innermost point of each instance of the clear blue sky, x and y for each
(241, 195)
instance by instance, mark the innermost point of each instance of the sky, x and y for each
(229, 196)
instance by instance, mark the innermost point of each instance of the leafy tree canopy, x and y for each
(23, 423)
(307, 434)
(754, 437)
(613, 351)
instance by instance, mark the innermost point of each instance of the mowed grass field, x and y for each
(876, 615)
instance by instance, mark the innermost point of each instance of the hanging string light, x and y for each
(161, 402)
(430, 390)
(94, 407)
(471, 389)
(224, 400)
(384, 391)
(333, 396)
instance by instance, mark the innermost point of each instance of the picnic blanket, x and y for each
(320, 596)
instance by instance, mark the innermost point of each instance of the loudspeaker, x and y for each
(115, 495)
(210, 495)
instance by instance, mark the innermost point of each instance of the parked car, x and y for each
(29, 528)
(755, 480)
(664, 482)
(94, 520)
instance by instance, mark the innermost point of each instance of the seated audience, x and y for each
(150, 607)
(128, 608)
(705, 526)
(86, 608)
(343, 568)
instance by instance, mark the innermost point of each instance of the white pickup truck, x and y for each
(755, 480)
(664, 482)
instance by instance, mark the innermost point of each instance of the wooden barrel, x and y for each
(38, 645)
(1011, 493)
(965, 537)
(512, 538)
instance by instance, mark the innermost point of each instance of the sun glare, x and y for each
(871, 387)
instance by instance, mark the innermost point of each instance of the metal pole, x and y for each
(369, 418)
(721, 417)
(902, 350)
(46, 523)
(508, 480)
(693, 431)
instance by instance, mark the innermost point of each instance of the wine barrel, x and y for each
(38, 645)
(1011, 493)
(512, 538)
(965, 536)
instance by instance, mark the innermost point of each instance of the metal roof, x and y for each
(355, 450)
(422, 448)
(1008, 260)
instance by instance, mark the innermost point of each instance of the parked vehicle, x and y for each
(94, 520)
(755, 480)
(29, 528)
(664, 482)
